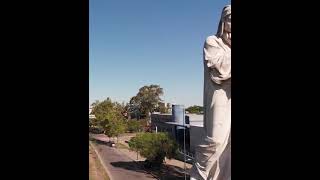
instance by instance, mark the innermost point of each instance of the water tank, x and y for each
(178, 115)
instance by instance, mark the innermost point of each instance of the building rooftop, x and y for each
(194, 119)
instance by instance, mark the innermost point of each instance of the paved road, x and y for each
(120, 166)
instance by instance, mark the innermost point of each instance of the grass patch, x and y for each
(121, 146)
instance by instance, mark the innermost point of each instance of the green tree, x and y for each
(103, 109)
(195, 109)
(154, 147)
(114, 128)
(147, 100)
(109, 116)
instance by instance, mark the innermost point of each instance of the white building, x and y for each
(194, 128)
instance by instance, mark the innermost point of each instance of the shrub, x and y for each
(154, 147)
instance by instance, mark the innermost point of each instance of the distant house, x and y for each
(91, 116)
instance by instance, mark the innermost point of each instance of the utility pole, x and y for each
(184, 145)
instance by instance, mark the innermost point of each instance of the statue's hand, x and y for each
(225, 77)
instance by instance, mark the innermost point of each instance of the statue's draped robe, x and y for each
(213, 155)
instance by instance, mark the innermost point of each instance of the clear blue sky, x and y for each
(141, 42)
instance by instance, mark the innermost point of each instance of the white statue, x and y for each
(213, 155)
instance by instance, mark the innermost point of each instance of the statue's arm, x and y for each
(212, 54)
(217, 60)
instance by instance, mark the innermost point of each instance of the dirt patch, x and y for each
(96, 170)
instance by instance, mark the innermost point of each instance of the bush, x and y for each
(96, 130)
(154, 147)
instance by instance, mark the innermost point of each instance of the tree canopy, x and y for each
(147, 100)
(109, 116)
